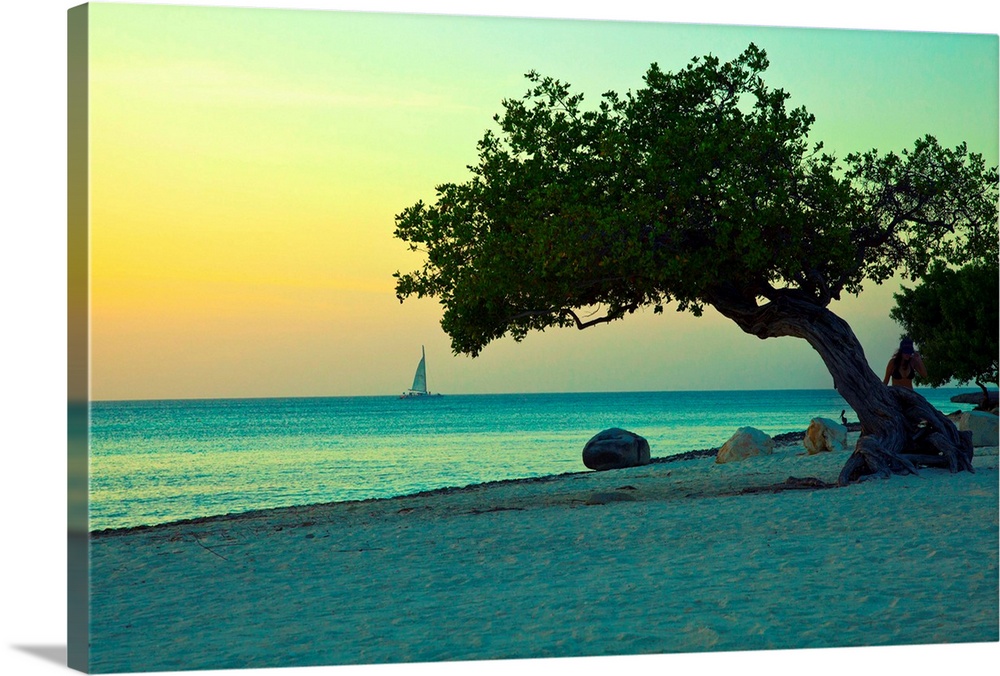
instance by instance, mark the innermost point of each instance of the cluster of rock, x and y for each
(617, 448)
(822, 436)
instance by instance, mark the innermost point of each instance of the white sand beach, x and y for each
(665, 558)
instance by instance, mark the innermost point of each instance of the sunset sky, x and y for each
(247, 165)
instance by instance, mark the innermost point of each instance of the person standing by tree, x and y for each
(903, 365)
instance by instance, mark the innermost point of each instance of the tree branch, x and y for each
(580, 324)
(593, 322)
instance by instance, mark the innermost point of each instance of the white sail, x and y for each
(419, 388)
(420, 377)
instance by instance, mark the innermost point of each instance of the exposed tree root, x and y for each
(923, 437)
(790, 484)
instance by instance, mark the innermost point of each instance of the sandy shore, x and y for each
(671, 557)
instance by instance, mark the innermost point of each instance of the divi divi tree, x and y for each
(701, 189)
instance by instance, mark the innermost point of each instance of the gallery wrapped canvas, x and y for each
(350, 293)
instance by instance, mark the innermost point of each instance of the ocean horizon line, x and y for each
(921, 390)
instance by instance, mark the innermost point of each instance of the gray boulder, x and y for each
(985, 427)
(615, 449)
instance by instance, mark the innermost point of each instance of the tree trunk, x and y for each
(900, 431)
(984, 405)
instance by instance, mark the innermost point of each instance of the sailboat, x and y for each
(419, 388)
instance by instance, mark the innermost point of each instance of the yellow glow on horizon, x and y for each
(247, 166)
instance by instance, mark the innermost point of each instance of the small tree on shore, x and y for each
(953, 314)
(700, 189)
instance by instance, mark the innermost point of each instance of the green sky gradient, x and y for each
(247, 164)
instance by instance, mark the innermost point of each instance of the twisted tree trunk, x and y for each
(900, 431)
(984, 405)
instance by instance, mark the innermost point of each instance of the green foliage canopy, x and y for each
(700, 188)
(953, 315)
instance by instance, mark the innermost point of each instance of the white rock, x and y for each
(825, 435)
(984, 427)
(746, 443)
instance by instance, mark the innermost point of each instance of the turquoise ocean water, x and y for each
(159, 461)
